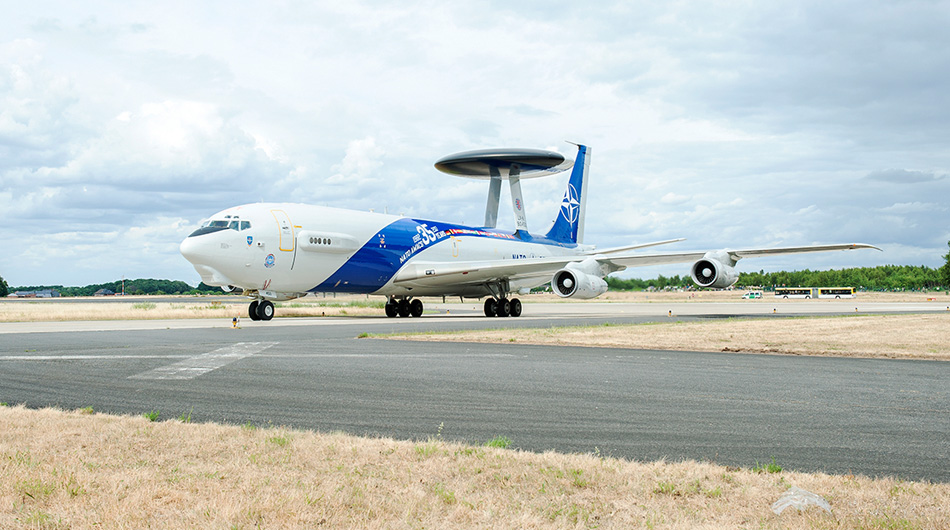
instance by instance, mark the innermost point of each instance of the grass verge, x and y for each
(923, 336)
(78, 470)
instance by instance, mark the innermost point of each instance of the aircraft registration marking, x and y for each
(199, 365)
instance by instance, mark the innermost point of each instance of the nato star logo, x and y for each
(570, 205)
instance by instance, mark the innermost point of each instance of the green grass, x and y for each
(770, 467)
(501, 442)
(152, 415)
(279, 441)
(144, 305)
(448, 497)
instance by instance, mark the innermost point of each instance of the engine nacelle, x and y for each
(569, 282)
(715, 270)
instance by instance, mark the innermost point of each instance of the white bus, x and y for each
(814, 292)
(836, 292)
(794, 292)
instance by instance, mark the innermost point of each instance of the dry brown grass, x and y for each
(925, 336)
(61, 310)
(85, 309)
(73, 470)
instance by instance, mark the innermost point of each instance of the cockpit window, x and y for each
(217, 225)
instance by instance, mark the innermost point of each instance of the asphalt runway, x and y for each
(874, 417)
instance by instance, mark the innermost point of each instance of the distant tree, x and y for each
(945, 270)
(4, 288)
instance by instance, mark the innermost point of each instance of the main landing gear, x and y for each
(261, 310)
(403, 307)
(502, 307)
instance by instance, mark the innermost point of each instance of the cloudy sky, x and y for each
(732, 124)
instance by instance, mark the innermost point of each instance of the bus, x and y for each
(836, 292)
(794, 292)
(814, 292)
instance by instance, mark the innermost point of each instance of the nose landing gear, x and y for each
(261, 310)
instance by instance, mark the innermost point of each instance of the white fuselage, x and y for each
(286, 250)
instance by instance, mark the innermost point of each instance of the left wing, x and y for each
(434, 274)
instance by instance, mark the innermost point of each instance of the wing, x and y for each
(435, 274)
(643, 260)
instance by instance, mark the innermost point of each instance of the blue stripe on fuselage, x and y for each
(392, 247)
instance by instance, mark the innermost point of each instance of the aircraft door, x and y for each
(286, 230)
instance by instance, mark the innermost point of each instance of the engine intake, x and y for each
(568, 283)
(714, 270)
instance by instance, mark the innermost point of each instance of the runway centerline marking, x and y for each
(201, 364)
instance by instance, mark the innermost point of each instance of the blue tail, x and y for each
(569, 225)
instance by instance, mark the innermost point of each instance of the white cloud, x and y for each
(731, 124)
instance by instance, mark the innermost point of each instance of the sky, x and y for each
(731, 124)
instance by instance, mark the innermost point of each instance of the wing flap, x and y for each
(436, 273)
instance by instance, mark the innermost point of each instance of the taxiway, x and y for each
(876, 417)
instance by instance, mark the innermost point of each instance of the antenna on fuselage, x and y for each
(496, 165)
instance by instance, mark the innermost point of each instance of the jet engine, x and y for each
(582, 280)
(715, 269)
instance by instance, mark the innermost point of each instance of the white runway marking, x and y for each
(193, 367)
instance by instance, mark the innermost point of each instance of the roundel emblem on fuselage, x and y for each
(570, 205)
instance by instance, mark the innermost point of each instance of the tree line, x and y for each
(881, 278)
(132, 287)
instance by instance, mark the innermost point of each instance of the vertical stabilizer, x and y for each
(569, 225)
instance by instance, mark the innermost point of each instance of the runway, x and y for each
(874, 417)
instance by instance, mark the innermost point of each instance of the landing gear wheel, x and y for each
(415, 308)
(392, 309)
(265, 310)
(252, 311)
(403, 308)
(503, 308)
(515, 307)
(490, 307)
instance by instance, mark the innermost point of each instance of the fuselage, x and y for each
(287, 250)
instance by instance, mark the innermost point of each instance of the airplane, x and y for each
(281, 251)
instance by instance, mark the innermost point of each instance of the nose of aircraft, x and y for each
(191, 249)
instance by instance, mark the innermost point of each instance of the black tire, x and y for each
(265, 310)
(391, 309)
(252, 311)
(415, 308)
(503, 308)
(515, 307)
(490, 307)
(403, 308)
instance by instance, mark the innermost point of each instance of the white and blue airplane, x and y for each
(281, 251)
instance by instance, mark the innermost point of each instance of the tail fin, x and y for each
(569, 225)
